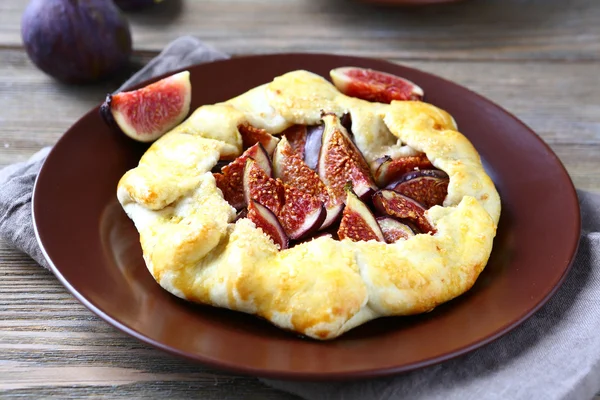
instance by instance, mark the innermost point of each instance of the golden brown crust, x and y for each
(323, 287)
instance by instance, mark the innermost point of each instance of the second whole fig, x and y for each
(76, 41)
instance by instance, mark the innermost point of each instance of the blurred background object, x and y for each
(409, 2)
(76, 41)
(134, 5)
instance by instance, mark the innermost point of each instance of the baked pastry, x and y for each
(199, 248)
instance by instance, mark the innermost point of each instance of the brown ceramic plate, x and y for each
(93, 247)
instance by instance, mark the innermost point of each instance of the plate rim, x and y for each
(309, 375)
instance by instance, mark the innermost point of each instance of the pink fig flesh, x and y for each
(230, 180)
(392, 169)
(296, 135)
(148, 113)
(399, 206)
(358, 223)
(252, 135)
(341, 162)
(289, 167)
(377, 86)
(300, 214)
(264, 219)
(394, 230)
(428, 187)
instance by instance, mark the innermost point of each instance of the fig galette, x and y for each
(313, 209)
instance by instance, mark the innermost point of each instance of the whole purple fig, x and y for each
(132, 5)
(76, 41)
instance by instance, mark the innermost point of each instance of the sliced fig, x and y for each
(341, 162)
(289, 167)
(230, 180)
(300, 214)
(259, 186)
(264, 219)
(394, 230)
(390, 169)
(400, 206)
(296, 136)
(148, 113)
(358, 223)
(371, 85)
(375, 164)
(252, 135)
(428, 186)
(312, 148)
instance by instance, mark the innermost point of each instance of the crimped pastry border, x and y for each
(321, 288)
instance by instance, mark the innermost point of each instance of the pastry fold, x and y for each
(323, 287)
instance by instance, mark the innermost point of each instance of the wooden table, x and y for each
(538, 59)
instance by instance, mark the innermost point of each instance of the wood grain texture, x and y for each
(557, 100)
(539, 59)
(51, 346)
(474, 29)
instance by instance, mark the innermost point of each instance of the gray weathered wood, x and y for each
(474, 29)
(52, 346)
(539, 59)
(556, 99)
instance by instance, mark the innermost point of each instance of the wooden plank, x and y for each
(484, 29)
(52, 346)
(558, 100)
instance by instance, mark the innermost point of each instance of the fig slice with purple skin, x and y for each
(358, 223)
(341, 162)
(312, 148)
(296, 135)
(252, 135)
(259, 186)
(428, 186)
(230, 179)
(392, 169)
(371, 85)
(399, 206)
(264, 219)
(394, 230)
(148, 113)
(299, 213)
(289, 167)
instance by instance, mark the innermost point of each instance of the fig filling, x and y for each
(312, 181)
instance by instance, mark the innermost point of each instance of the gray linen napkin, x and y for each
(553, 355)
(17, 180)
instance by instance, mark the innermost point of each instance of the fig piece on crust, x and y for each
(399, 206)
(296, 135)
(252, 135)
(230, 180)
(394, 230)
(259, 186)
(289, 167)
(148, 113)
(428, 186)
(264, 219)
(392, 169)
(371, 85)
(299, 213)
(341, 162)
(358, 223)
